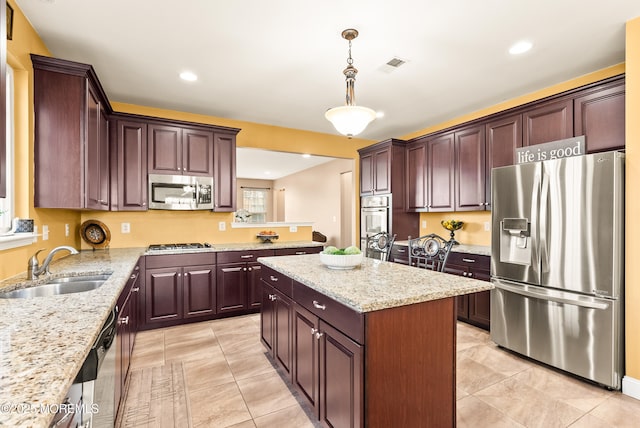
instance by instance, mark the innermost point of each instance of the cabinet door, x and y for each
(416, 176)
(199, 284)
(92, 159)
(341, 379)
(104, 163)
(503, 137)
(163, 294)
(548, 122)
(462, 307)
(266, 316)
(283, 329)
(123, 351)
(480, 308)
(440, 170)
(599, 116)
(131, 143)
(366, 174)
(382, 171)
(224, 159)
(231, 287)
(306, 366)
(470, 169)
(165, 149)
(197, 152)
(254, 292)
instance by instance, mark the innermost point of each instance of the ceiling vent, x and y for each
(395, 62)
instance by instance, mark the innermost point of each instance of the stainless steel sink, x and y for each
(62, 285)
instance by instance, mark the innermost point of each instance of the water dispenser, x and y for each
(515, 241)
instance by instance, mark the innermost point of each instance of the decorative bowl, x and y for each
(341, 262)
(266, 239)
(452, 225)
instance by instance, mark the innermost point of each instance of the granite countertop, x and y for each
(45, 340)
(483, 250)
(375, 284)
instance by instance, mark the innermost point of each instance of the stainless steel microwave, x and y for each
(180, 192)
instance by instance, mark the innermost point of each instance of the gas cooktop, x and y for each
(173, 247)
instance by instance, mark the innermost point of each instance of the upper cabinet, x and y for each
(178, 150)
(451, 170)
(71, 149)
(382, 169)
(88, 157)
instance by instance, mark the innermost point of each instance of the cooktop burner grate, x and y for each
(169, 247)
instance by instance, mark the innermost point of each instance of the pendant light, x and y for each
(350, 120)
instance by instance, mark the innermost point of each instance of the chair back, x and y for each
(379, 245)
(429, 252)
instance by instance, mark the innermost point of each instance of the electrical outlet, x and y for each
(293, 228)
(45, 232)
(487, 226)
(66, 229)
(35, 233)
(424, 224)
(222, 226)
(125, 227)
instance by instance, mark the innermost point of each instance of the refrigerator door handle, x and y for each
(527, 292)
(545, 218)
(535, 223)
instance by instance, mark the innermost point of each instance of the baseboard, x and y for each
(631, 387)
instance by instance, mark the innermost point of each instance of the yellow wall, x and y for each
(632, 228)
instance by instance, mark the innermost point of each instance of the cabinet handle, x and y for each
(137, 267)
(249, 268)
(144, 204)
(317, 305)
(179, 274)
(319, 334)
(247, 256)
(132, 276)
(135, 290)
(273, 278)
(244, 269)
(299, 253)
(464, 274)
(314, 331)
(470, 274)
(272, 297)
(468, 260)
(124, 321)
(400, 250)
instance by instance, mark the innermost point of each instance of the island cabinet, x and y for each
(238, 280)
(382, 368)
(472, 308)
(126, 329)
(179, 287)
(180, 150)
(71, 146)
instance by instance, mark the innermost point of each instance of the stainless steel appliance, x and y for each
(188, 247)
(180, 192)
(374, 217)
(557, 263)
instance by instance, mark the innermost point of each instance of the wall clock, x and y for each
(95, 233)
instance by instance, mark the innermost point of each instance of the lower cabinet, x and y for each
(473, 308)
(238, 280)
(179, 287)
(126, 329)
(401, 374)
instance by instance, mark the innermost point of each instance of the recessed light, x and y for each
(188, 76)
(520, 47)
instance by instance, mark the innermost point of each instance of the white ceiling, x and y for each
(270, 165)
(280, 62)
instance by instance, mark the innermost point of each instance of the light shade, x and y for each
(350, 120)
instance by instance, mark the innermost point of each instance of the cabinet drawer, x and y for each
(343, 318)
(179, 260)
(297, 251)
(277, 280)
(242, 256)
(400, 254)
(474, 261)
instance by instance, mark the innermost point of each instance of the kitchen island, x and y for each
(373, 346)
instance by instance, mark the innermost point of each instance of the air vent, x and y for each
(395, 62)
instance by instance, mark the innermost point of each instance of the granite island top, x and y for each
(374, 285)
(45, 340)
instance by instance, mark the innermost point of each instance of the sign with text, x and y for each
(549, 151)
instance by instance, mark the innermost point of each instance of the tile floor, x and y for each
(215, 374)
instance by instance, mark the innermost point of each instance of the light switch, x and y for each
(424, 224)
(293, 228)
(45, 232)
(66, 229)
(487, 226)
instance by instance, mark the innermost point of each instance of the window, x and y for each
(7, 203)
(255, 201)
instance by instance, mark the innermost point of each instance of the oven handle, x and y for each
(525, 291)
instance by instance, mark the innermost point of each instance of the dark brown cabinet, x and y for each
(276, 326)
(473, 308)
(178, 150)
(71, 149)
(416, 176)
(599, 115)
(440, 173)
(126, 329)
(470, 169)
(503, 137)
(375, 170)
(549, 121)
(130, 166)
(224, 172)
(238, 280)
(298, 251)
(179, 287)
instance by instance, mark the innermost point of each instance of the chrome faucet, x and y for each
(34, 270)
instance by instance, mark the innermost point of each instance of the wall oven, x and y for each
(180, 192)
(374, 216)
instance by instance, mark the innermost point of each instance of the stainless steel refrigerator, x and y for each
(557, 263)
